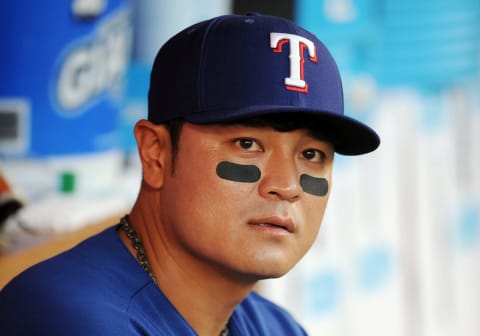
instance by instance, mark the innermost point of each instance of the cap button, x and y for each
(253, 14)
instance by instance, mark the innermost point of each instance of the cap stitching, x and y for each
(201, 63)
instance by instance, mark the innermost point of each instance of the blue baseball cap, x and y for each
(234, 67)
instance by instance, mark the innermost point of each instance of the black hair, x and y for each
(174, 129)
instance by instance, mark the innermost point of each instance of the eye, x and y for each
(313, 155)
(247, 144)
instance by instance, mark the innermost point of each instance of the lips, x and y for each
(274, 222)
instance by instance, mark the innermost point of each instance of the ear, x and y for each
(154, 149)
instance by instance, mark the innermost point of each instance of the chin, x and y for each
(257, 273)
(264, 265)
(271, 276)
(271, 273)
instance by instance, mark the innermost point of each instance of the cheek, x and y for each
(213, 190)
(314, 212)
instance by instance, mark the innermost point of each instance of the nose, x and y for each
(280, 179)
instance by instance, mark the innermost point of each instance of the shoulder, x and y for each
(57, 307)
(258, 316)
(80, 292)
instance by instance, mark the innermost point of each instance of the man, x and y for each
(245, 114)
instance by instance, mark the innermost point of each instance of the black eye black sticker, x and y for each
(317, 186)
(238, 172)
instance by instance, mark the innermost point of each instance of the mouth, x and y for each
(274, 223)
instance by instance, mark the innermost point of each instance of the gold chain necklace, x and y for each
(142, 255)
(138, 246)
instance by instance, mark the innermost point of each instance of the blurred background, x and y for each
(399, 249)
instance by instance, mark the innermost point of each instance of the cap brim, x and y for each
(349, 136)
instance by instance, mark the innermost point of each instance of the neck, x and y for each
(202, 294)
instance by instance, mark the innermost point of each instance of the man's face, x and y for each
(246, 201)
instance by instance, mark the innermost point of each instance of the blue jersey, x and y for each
(98, 288)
